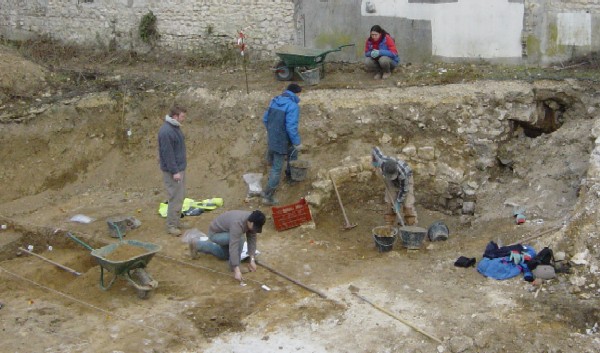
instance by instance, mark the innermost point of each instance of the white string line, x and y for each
(56, 230)
(86, 303)
(202, 267)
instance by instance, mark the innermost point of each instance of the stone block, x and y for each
(354, 168)
(410, 150)
(340, 174)
(468, 207)
(364, 177)
(315, 199)
(385, 139)
(323, 185)
(365, 163)
(426, 152)
(452, 174)
(440, 186)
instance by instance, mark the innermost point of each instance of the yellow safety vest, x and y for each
(208, 205)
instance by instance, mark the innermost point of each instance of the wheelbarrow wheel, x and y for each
(282, 72)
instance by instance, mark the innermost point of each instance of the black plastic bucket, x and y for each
(299, 169)
(384, 237)
(412, 237)
(438, 231)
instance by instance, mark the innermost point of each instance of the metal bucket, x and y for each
(438, 231)
(412, 237)
(311, 77)
(384, 237)
(299, 169)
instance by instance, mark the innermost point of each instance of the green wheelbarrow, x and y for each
(299, 59)
(130, 268)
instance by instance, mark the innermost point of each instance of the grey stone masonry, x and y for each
(200, 25)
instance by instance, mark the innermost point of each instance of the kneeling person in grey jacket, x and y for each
(226, 236)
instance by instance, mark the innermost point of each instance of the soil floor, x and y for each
(341, 293)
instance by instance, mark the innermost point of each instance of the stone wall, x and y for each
(454, 137)
(514, 31)
(203, 26)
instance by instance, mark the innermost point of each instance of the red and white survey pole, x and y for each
(241, 42)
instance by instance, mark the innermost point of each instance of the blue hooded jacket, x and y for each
(281, 121)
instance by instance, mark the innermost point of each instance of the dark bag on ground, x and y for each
(544, 257)
(464, 261)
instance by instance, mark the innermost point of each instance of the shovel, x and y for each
(347, 225)
(398, 215)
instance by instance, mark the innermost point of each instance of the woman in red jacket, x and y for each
(381, 54)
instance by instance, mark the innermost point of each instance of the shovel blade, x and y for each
(349, 226)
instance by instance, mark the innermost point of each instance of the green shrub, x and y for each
(148, 31)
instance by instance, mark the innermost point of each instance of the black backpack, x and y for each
(544, 257)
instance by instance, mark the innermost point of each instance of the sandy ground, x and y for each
(73, 163)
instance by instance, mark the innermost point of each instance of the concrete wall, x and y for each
(560, 30)
(460, 29)
(534, 31)
(513, 31)
(330, 23)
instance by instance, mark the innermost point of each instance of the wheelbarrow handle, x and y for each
(79, 241)
(336, 49)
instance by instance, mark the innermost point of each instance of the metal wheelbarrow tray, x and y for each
(295, 58)
(132, 269)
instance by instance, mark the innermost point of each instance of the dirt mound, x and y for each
(18, 77)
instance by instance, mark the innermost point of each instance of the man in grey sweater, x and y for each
(226, 236)
(171, 151)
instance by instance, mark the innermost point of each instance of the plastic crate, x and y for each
(290, 216)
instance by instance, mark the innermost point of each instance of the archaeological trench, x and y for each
(478, 150)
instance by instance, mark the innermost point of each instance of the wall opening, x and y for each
(549, 119)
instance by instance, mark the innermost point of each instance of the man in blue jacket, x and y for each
(281, 121)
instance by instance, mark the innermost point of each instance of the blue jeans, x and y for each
(275, 160)
(218, 245)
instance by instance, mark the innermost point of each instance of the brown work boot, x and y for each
(174, 231)
(410, 220)
(390, 218)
